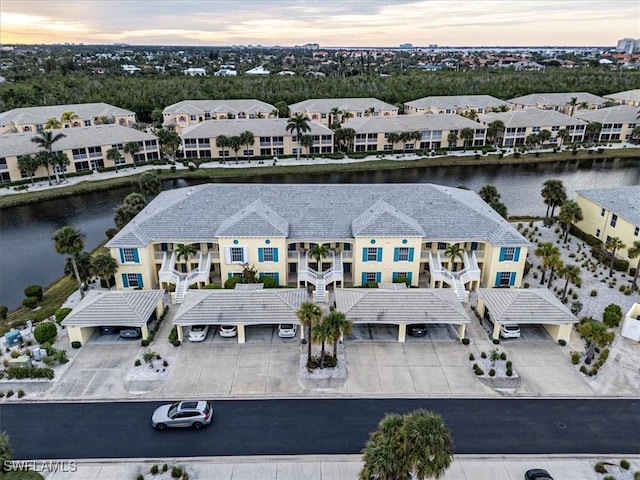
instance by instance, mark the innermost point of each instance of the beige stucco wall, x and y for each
(80, 334)
(387, 266)
(493, 265)
(252, 245)
(559, 332)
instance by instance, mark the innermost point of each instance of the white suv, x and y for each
(509, 331)
(286, 330)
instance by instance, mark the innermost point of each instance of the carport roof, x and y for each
(117, 308)
(525, 305)
(241, 306)
(420, 305)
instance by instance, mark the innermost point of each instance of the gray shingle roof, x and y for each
(317, 212)
(383, 220)
(40, 115)
(627, 95)
(615, 114)
(457, 101)
(525, 306)
(78, 137)
(235, 106)
(241, 306)
(260, 127)
(557, 99)
(623, 201)
(256, 217)
(530, 117)
(343, 104)
(415, 305)
(408, 123)
(114, 308)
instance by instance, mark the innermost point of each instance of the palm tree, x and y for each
(467, 134)
(132, 204)
(592, 131)
(113, 155)
(309, 316)
(544, 136)
(318, 252)
(495, 130)
(247, 138)
(554, 263)
(132, 148)
(104, 266)
(337, 325)
(545, 251)
(307, 142)
(532, 140)
(321, 334)
(60, 161)
(571, 273)
(417, 445)
(572, 103)
(564, 135)
(235, 143)
(300, 124)
(635, 134)
(454, 251)
(452, 140)
(394, 138)
(52, 124)
(68, 117)
(570, 212)
(404, 138)
(346, 116)
(222, 142)
(554, 194)
(333, 115)
(489, 193)
(28, 164)
(185, 250)
(45, 140)
(596, 334)
(149, 183)
(83, 261)
(369, 111)
(275, 113)
(344, 138)
(169, 142)
(614, 244)
(634, 252)
(69, 241)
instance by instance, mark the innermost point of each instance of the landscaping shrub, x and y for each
(478, 371)
(483, 355)
(33, 291)
(176, 343)
(575, 357)
(45, 332)
(176, 472)
(371, 285)
(173, 335)
(612, 315)
(21, 393)
(509, 364)
(509, 372)
(3, 312)
(165, 467)
(144, 342)
(212, 286)
(137, 363)
(503, 356)
(230, 283)
(34, 372)
(625, 464)
(30, 302)
(472, 357)
(492, 373)
(61, 314)
(562, 342)
(154, 469)
(268, 282)
(600, 468)
(465, 341)
(139, 477)
(593, 293)
(496, 341)
(9, 393)
(76, 344)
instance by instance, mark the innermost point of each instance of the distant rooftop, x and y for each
(457, 101)
(200, 107)
(266, 127)
(626, 96)
(343, 104)
(40, 115)
(530, 117)
(615, 114)
(557, 99)
(409, 123)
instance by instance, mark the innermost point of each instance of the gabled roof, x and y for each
(615, 114)
(114, 308)
(623, 201)
(260, 127)
(457, 101)
(343, 104)
(557, 99)
(406, 305)
(40, 115)
(235, 106)
(256, 217)
(626, 96)
(525, 306)
(241, 306)
(315, 213)
(384, 220)
(530, 117)
(408, 123)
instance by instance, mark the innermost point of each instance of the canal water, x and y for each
(28, 255)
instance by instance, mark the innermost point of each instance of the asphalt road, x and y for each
(319, 426)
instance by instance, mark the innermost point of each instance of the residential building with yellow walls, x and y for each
(271, 138)
(33, 119)
(617, 122)
(566, 102)
(373, 233)
(187, 113)
(328, 111)
(519, 124)
(372, 133)
(85, 147)
(458, 104)
(628, 97)
(612, 212)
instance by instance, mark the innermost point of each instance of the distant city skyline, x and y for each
(385, 23)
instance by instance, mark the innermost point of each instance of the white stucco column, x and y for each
(496, 331)
(462, 329)
(144, 331)
(180, 333)
(402, 332)
(241, 336)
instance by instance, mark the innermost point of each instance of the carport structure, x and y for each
(103, 308)
(240, 307)
(402, 306)
(526, 306)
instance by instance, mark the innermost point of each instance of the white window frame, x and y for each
(132, 280)
(403, 254)
(267, 254)
(128, 255)
(509, 254)
(372, 254)
(229, 254)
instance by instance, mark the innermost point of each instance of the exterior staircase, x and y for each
(320, 279)
(457, 280)
(183, 281)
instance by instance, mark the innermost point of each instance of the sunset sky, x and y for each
(327, 22)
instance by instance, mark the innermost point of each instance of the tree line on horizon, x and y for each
(145, 93)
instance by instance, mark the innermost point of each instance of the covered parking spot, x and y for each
(526, 306)
(244, 308)
(402, 307)
(103, 308)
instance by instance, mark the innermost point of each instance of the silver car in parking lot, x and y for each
(195, 414)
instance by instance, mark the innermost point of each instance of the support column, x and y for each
(144, 331)
(462, 329)
(180, 333)
(402, 332)
(241, 336)
(496, 331)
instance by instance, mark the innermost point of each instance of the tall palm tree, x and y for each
(454, 251)
(467, 134)
(300, 124)
(570, 212)
(60, 161)
(452, 140)
(28, 164)
(614, 244)
(571, 273)
(235, 142)
(381, 457)
(185, 250)
(334, 113)
(104, 266)
(113, 155)
(68, 117)
(634, 252)
(318, 252)
(564, 135)
(132, 204)
(222, 142)
(321, 334)
(307, 142)
(495, 130)
(337, 325)
(545, 251)
(309, 315)
(52, 124)
(572, 103)
(132, 148)
(532, 140)
(69, 241)
(169, 142)
(46, 140)
(346, 116)
(149, 184)
(544, 136)
(592, 131)
(596, 334)
(247, 138)
(489, 193)
(394, 138)
(635, 134)
(554, 263)
(554, 194)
